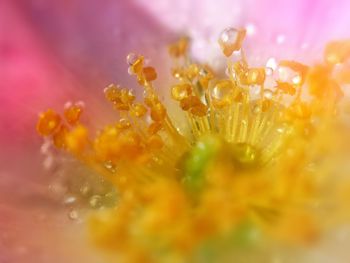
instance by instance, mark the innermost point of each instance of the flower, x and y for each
(80, 132)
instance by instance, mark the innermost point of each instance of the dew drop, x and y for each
(229, 36)
(110, 166)
(222, 90)
(70, 200)
(130, 72)
(251, 29)
(268, 71)
(271, 63)
(230, 40)
(281, 129)
(296, 79)
(131, 58)
(268, 94)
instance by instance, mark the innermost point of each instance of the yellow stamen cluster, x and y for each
(248, 165)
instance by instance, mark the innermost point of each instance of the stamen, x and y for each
(252, 137)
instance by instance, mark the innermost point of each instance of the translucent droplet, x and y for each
(296, 79)
(130, 72)
(285, 74)
(70, 200)
(181, 91)
(271, 63)
(222, 90)
(251, 29)
(73, 214)
(268, 71)
(268, 94)
(229, 36)
(110, 166)
(95, 201)
(281, 129)
(131, 58)
(230, 40)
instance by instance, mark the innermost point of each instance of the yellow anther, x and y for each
(256, 76)
(300, 110)
(192, 71)
(126, 96)
(154, 127)
(112, 93)
(322, 85)
(77, 139)
(72, 113)
(286, 88)
(137, 65)
(149, 73)
(222, 93)
(231, 40)
(337, 52)
(189, 102)
(199, 110)
(266, 105)
(138, 110)
(300, 70)
(155, 142)
(59, 138)
(48, 122)
(151, 99)
(179, 49)
(158, 112)
(181, 91)
(123, 124)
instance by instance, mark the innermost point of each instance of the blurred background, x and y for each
(56, 51)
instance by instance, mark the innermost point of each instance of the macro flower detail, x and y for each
(249, 174)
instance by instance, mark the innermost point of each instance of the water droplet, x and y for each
(73, 214)
(229, 36)
(131, 58)
(281, 129)
(268, 71)
(271, 63)
(251, 29)
(130, 72)
(230, 40)
(95, 201)
(268, 94)
(222, 90)
(70, 200)
(296, 79)
(284, 74)
(109, 165)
